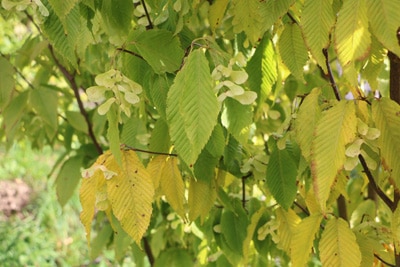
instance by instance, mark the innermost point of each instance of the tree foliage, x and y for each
(215, 133)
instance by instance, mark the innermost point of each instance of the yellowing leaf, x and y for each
(352, 36)
(154, 168)
(384, 21)
(216, 13)
(303, 238)
(293, 50)
(130, 193)
(202, 196)
(338, 246)
(172, 186)
(288, 221)
(386, 114)
(335, 130)
(317, 22)
(396, 228)
(87, 194)
(306, 121)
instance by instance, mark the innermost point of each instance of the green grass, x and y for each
(48, 235)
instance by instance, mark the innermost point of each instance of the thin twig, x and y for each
(18, 72)
(244, 189)
(148, 251)
(302, 208)
(331, 78)
(147, 14)
(377, 189)
(71, 79)
(130, 52)
(382, 260)
(147, 151)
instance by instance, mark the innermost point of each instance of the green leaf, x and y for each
(236, 118)
(68, 178)
(113, 134)
(317, 21)
(386, 115)
(159, 91)
(174, 257)
(6, 82)
(117, 16)
(216, 144)
(45, 102)
(306, 121)
(334, 131)
(338, 246)
(76, 120)
(62, 8)
(192, 107)
(100, 241)
(204, 168)
(262, 70)
(303, 238)
(167, 59)
(160, 140)
(233, 230)
(281, 177)
(293, 50)
(63, 43)
(134, 133)
(352, 35)
(384, 21)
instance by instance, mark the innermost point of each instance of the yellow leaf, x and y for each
(338, 246)
(352, 35)
(93, 180)
(154, 169)
(202, 196)
(130, 193)
(307, 119)
(396, 228)
(216, 13)
(334, 131)
(172, 186)
(386, 114)
(288, 221)
(302, 240)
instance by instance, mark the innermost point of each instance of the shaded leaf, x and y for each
(68, 179)
(167, 59)
(202, 196)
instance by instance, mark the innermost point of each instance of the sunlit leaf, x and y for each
(352, 35)
(317, 22)
(288, 221)
(335, 129)
(338, 246)
(302, 240)
(386, 114)
(192, 107)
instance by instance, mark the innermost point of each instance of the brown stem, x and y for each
(130, 52)
(394, 77)
(148, 251)
(71, 80)
(244, 189)
(330, 74)
(342, 208)
(377, 189)
(147, 14)
(147, 151)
